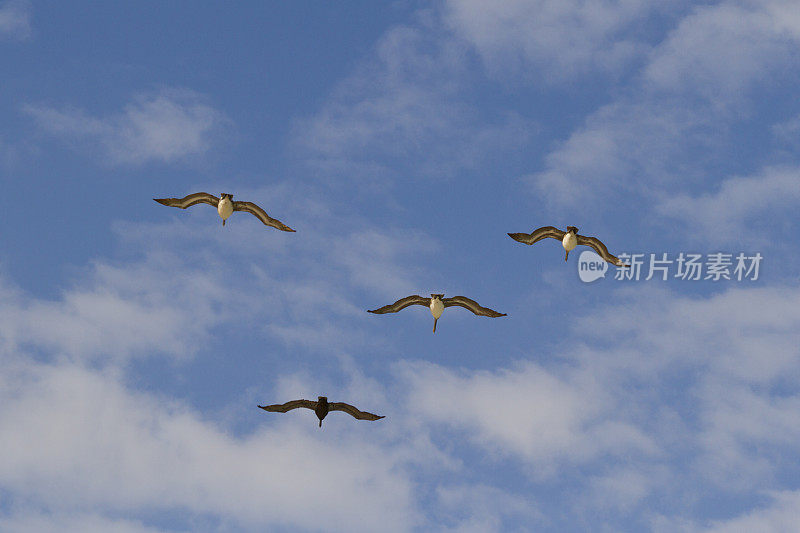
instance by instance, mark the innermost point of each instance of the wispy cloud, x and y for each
(783, 514)
(166, 126)
(171, 458)
(401, 115)
(311, 284)
(780, 513)
(119, 313)
(34, 521)
(599, 400)
(629, 147)
(560, 39)
(529, 411)
(769, 324)
(622, 488)
(721, 51)
(730, 354)
(477, 508)
(614, 408)
(743, 209)
(675, 127)
(639, 390)
(8, 154)
(120, 451)
(15, 19)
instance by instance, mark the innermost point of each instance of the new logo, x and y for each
(591, 266)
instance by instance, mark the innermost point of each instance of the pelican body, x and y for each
(321, 408)
(225, 206)
(436, 303)
(569, 240)
(437, 308)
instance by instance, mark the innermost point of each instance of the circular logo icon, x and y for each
(591, 266)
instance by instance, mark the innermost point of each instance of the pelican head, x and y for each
(572, 229)
(226, 195)
(437, 296)
(322, 399)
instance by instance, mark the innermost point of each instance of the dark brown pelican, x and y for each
(569, 240)
(437, 305)
(321, 407)
(225, 207)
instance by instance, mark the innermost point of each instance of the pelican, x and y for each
(569, 240)
(225, 207)
(437, 304)
(321, 407)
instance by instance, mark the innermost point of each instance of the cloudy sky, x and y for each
(402, 140)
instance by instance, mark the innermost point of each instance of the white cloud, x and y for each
(76, 440)
(719, 51)
(623, 488)
(120, 312)
(626, 149)
(401, 114)
(374, 259)
(610, 396)
(788, 131)
(783, 15)
(729, 355)
(732, 327)
(743, 209)
(123, 454)
(738, 419)
(165, 126)
(32, 521)
(782, 515)
(481, 508)
(529, 412)
(560, 39)
(677, 125)
(15, 19)
(311, 284)
(649, 396)
(323, 307)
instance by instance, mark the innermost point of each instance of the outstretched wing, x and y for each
(538, 235)
(601, 249)
(260, 214)
(352, 411)
(288, 406)
(401, 304)
(472, 305)
(189, 201)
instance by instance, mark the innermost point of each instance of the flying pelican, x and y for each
(437, 305)
(225, 207)
(569, 240)
(321, 407)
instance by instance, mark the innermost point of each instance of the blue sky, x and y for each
(402, 140)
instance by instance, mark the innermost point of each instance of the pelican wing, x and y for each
(472, 305)
(401, 304)
(352, 411)
(538, 235)
(601, 249)
(261, 215)
(189, 201)
(288, 406)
